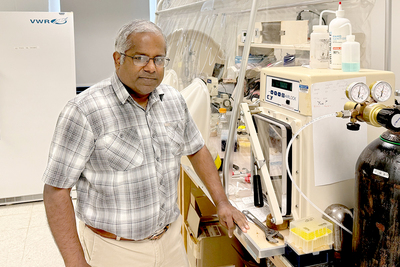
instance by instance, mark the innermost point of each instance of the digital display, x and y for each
(282, 85)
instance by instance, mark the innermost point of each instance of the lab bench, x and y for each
(253, 242)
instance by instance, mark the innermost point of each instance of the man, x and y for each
(120, 142)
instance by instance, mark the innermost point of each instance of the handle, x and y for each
(257, 188)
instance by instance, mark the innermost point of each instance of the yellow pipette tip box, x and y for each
(311, 234)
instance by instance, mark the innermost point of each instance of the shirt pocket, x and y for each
(123, 149)
(175, 131)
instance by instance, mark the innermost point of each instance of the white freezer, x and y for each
(37, 78)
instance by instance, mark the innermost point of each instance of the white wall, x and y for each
(24, 5)
(396, 41)
(96, 24)
(378, 38)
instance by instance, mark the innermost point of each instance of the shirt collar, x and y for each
(123, 94)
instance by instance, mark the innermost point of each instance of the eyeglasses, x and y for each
(141, 60)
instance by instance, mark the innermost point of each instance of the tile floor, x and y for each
(25, 237)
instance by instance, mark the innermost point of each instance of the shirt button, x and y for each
(161, 182)
(162, 206)
(159, 225)
(157, 158)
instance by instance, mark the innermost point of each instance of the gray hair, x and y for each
(122, 42)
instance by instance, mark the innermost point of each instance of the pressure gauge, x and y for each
(358, 92)
(381, 91)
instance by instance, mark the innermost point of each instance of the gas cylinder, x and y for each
(376, 231)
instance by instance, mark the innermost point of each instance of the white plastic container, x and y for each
(351, 54)
(223, 127)
(337, 35)
(319, 47)
(311, 234)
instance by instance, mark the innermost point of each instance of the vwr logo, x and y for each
(48, 21)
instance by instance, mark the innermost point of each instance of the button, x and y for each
(161, 182)
(157, 159)
(160, 224)
(283, 95)
(162, 206)
(287, 102)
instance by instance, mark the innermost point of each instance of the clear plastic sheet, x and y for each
(202, 33)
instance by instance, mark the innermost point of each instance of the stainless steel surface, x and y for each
(343, 215)
(21, 199)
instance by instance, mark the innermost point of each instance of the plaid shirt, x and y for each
(123, 159)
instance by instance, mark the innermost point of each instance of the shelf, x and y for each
(279, 46)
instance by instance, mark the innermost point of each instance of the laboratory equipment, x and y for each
(212, 85)
(281, 32)
(381, 91)
(37, 69)
(311, 234)
(222, 101)
(358, 92)
(376, 230)
(341, 239)
(294, 96)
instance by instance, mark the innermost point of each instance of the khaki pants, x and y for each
(168, 251)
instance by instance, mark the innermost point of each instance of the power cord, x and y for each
(310, 11)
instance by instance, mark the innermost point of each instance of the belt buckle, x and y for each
(159, 233)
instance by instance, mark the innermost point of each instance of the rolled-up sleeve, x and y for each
(70, 149)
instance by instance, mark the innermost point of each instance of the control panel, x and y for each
(282, 92)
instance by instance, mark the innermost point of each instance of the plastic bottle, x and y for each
(337, 35)
(350, 54)
(319, 47)
(223, 127)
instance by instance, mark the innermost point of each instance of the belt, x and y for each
(102, 233)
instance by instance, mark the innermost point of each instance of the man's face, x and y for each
(141, 79)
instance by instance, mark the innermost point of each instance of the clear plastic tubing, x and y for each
(290, 174)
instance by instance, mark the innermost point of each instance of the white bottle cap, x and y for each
(320, 28)
(350, 38)
(340, 11)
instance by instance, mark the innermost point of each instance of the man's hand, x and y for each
(229, 216)
(204, 166)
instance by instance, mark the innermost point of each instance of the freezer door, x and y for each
(37, 78)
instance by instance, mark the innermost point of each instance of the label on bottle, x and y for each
(335, 53)
(323, 50)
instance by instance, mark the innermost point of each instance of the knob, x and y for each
(352, 126)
